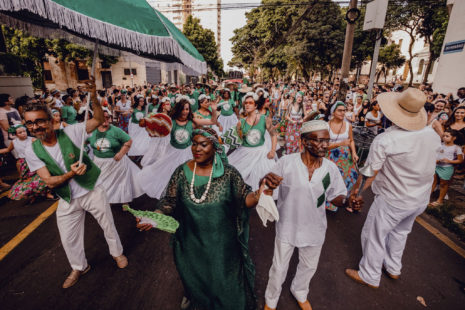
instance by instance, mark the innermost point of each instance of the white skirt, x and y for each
(140, 140)
(154, 178)
(155, 150)
(252, 163)
(119, 179)
(228, 121)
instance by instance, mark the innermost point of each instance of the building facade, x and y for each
(130, 70)
(450, 73)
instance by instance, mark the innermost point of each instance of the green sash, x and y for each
(70, 153)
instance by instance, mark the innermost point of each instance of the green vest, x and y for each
(70, 153)
(228, 108)
(134, 116)
(254, 135)
(181, 135)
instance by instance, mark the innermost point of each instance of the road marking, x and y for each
(451, 244)
(7, 248)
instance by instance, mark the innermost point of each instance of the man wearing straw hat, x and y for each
(55, 157)
(403, 162)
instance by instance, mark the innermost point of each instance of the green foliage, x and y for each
(204, 41)
(287, 40)
(422, 18)
(26, 54)
(390, 58)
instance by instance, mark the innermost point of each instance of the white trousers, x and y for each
(384, 235)
(308, 261)
(70, 220)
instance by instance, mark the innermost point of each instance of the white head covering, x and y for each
(165, 99)
(203, 97)
(314, 125)
(250, 94)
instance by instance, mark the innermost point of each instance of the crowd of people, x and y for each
(227, 146)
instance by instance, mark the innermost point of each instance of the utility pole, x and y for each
(348, 44)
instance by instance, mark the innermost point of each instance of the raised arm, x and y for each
(97, 119)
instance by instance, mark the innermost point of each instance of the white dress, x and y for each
(155, 150)
(140, 137)
(227, 121)
(119, 179)
(154, 178)
(252, 161)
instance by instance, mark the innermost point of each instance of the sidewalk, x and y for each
(452, 207)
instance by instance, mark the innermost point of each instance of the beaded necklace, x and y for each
(204, 195)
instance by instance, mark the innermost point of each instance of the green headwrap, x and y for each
(13, 128)
(220, 152)
(337, 104)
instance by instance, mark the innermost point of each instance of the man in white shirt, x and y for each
(404, 161)
(54, 156)
(309, 180)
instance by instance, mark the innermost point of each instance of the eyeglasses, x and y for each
(319, 141)
(38, 122)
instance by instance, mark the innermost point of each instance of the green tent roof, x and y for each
(131, 25)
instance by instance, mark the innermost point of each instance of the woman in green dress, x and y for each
(211, 202)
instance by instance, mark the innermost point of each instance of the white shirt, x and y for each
(124, 106)
(377, 120)
(406, 161)
(58, 103)
(446, 152)
(75, 133)
(301, 222)
(20, 146)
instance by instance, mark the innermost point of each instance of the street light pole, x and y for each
(347, 55)
(348, 44)
(379, 35)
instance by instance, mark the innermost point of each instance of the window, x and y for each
(420, 66)
(82, 71)
(431, 68)
(47, 71)
(48, 75)
(128, 71)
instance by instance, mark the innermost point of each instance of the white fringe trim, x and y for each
(105, 32)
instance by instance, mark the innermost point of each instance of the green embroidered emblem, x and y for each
(326, 181)
(321, 200)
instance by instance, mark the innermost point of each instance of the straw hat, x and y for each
(405, 109)
(245, 89)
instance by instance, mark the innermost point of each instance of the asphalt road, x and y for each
(32, 274)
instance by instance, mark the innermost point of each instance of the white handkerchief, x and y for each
(266, 209)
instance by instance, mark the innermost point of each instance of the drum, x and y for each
(157, 124)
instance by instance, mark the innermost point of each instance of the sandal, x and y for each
(435, 204)
(459, 219)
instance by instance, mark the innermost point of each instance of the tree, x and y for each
(433, 29)
(413, 17)
(390, 58)
(31, 52)
(204, 41)
(291, 39)
(31, 48)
